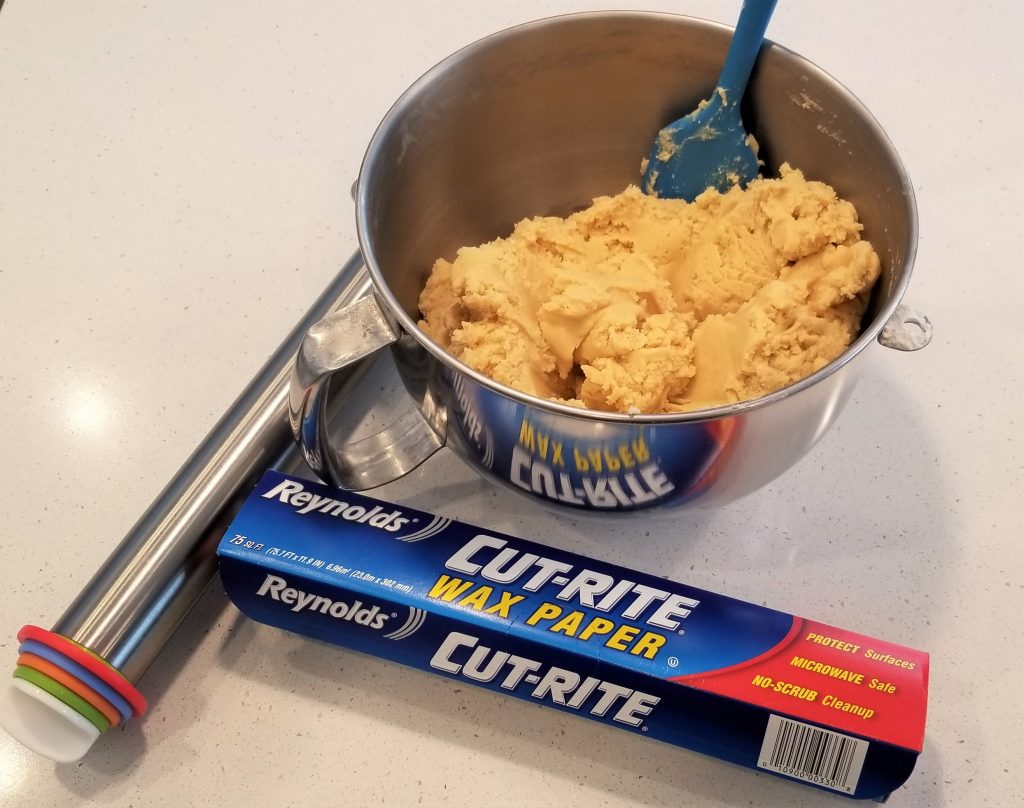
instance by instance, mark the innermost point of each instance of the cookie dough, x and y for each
(640, 304)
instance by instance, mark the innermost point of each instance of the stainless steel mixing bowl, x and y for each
(539, 119)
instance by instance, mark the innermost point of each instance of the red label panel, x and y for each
(834, 677)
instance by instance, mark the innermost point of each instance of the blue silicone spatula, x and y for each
(709, 147)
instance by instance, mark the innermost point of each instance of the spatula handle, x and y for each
(746, 42)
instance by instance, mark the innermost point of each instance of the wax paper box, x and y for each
(748, 684)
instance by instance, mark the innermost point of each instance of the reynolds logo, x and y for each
(276, 588)
(294, 493)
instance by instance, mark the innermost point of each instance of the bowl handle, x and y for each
(339, 340)
(906, 330)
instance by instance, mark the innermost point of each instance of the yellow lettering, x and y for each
(569, 624)
(611, 461)
(546, 611)
(648, 645)
(526, 434)
(508, 600)
(556, 454)
(477, 599)
(448, 588)
(640, 450)
(581, 461)
(542, 445)
(623, 636)
(626, 456)
(598, 625)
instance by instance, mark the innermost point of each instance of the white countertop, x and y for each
(174, 192)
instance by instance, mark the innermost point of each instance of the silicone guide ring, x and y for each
(80, 673)
(76, 686)
(101, 668)
(57, 690)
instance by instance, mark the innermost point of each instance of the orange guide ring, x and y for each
(72, 683)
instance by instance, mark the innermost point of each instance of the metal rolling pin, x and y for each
(117, 625)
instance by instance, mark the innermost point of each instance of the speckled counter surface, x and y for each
(174, 192)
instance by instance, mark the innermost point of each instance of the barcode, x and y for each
(815, 755)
